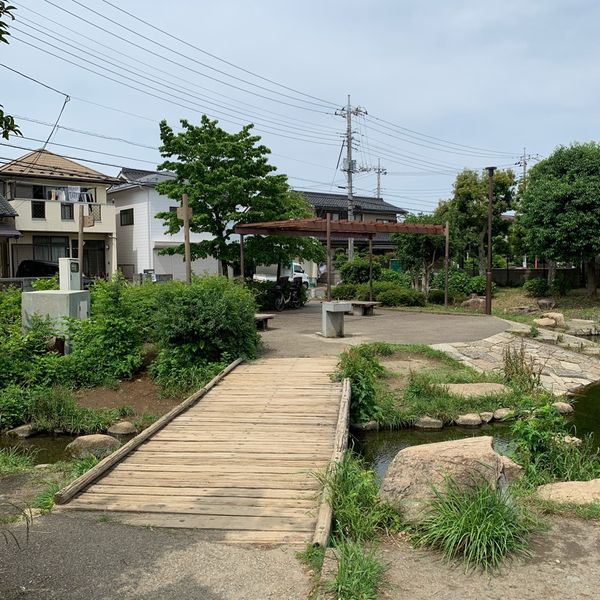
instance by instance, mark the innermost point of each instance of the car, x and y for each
(37, 268)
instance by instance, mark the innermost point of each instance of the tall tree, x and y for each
(467, 210)
(7, 122)
(229, 182)
(420, 253)
(561, 207)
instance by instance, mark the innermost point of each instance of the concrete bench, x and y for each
(262, 321)
(333, 318)
(363, 308)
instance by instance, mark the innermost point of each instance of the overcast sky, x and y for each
(482, 79)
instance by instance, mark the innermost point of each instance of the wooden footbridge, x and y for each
(236, 459)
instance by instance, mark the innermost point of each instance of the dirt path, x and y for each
(563, 565)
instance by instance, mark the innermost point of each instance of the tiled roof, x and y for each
(43, 164)
(340, 201)
(6, 209)
(131, 178)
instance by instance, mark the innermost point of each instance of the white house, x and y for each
(141, 236)
(45, 192)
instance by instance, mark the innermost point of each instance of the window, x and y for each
(50, 248)
(126, 216)
(67, 212)
(38, 210)
(383, 221)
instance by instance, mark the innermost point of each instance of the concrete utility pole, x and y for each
(488, 282)
(380, 171)
(350, 164)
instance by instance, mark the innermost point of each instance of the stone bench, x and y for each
(363, 308)
(262, 321)
(332, 318)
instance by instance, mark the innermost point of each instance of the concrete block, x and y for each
(56, 305)
(333, 318)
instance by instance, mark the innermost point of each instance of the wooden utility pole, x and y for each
(488, 282)
(184, 213)
(446, 260)
(328, 257)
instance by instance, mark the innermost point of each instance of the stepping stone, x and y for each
(476, 390)
(469, 420)
(23, 431)
(564, 408)
(573, 492)
(502, 414)
(486, 417)
(545, 322)
(429, 423)
(122, 428)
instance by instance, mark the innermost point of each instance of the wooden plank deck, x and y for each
(238, 463)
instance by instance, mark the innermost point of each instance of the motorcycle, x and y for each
(288, 295)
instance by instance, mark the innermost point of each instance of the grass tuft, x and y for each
(15, 460)
(478, 524)
(359, 572)
(312, 557)
(45, 499)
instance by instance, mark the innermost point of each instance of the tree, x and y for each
(7, 122)
(229, 182)
(419, 253)
(561, 207)
(467, 210)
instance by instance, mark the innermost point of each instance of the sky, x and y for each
(442, 85)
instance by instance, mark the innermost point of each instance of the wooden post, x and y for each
(446, 260)
(370, 268)
(242, 256)
(80, 245)
(186, 238)
(328, 257)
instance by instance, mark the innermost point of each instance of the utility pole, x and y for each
(488, 282)
(524, 161)
(349, 163)
(380, 171)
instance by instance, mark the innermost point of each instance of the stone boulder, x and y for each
(415, 471)
(545, 322)
(564, 408)
(520, 310)
(582, 327)
(572, 492)
(92, 445)
(469, 420)
(429, 423)
(122, 428)
(546, 303)
(474, 303)
(475, 390)
(486, 417)
(23, 431)
(503, 414)
(557, 317)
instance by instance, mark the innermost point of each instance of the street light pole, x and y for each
(488, 282)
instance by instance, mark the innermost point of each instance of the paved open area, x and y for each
(293, 332)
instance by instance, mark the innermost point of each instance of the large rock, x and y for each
(486, 417)
(474, 303)
(557, 317)
(415, 472)
(429, 423)
(469, 420)
(564, 408)
(545, 322)
(122, 428)
(582, 327)
(23, 431)
(572, 492)
(476, 390)
(503, 414)
(546, 303)
(92, 445)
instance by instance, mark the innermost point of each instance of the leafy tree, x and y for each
(229, 182)
(7, 122)
(467, 210)
(561, 207)
(419, 253)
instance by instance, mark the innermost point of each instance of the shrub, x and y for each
(459, 282)
(401, 297)
(344, 291)
(10, 308)
(400, 279)
(15, 407)
(46, 283)
(520, 369)
(264, 293)
(477, 285)
(536, 287)
(362, 290)
(436, 297)
(561, 285)
(478, 523)
(357, 271)
(207, 320)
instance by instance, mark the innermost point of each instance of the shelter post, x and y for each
(446, 260)
(328, 257)
(370, 268)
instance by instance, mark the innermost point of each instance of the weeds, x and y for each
(45, 499)
(143, 421)
(533, 332)
(521, 370)
(478, 524)
(312, 557)
(14, 460)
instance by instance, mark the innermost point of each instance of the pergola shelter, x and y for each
(332, 229)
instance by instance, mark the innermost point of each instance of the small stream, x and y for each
(46, 448)
(380, 447)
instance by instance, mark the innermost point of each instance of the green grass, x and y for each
(13, 460)
(45, 499)
(589, 512)
(353, 492)
(312, 557)
(477, 524)
(143, 421)
(359, 574)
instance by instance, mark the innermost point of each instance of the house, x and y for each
(7, 231)
(44, 192)
(141, 236)
(366, 208)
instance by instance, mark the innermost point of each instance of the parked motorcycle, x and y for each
(288, 294)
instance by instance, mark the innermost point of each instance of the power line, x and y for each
(35, 80)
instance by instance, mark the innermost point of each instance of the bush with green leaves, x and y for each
(10, 309)
(561, 285)
(357, 271)
(401, 297)
(436, 297)
(459, 282)
(344, 291)
(45, 283)
(478, 523)
(265, 293)
(15, 406)
(536, 287)
(400, 279)
(208, 319)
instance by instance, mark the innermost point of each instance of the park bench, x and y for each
(262, 321)
(363, 308)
